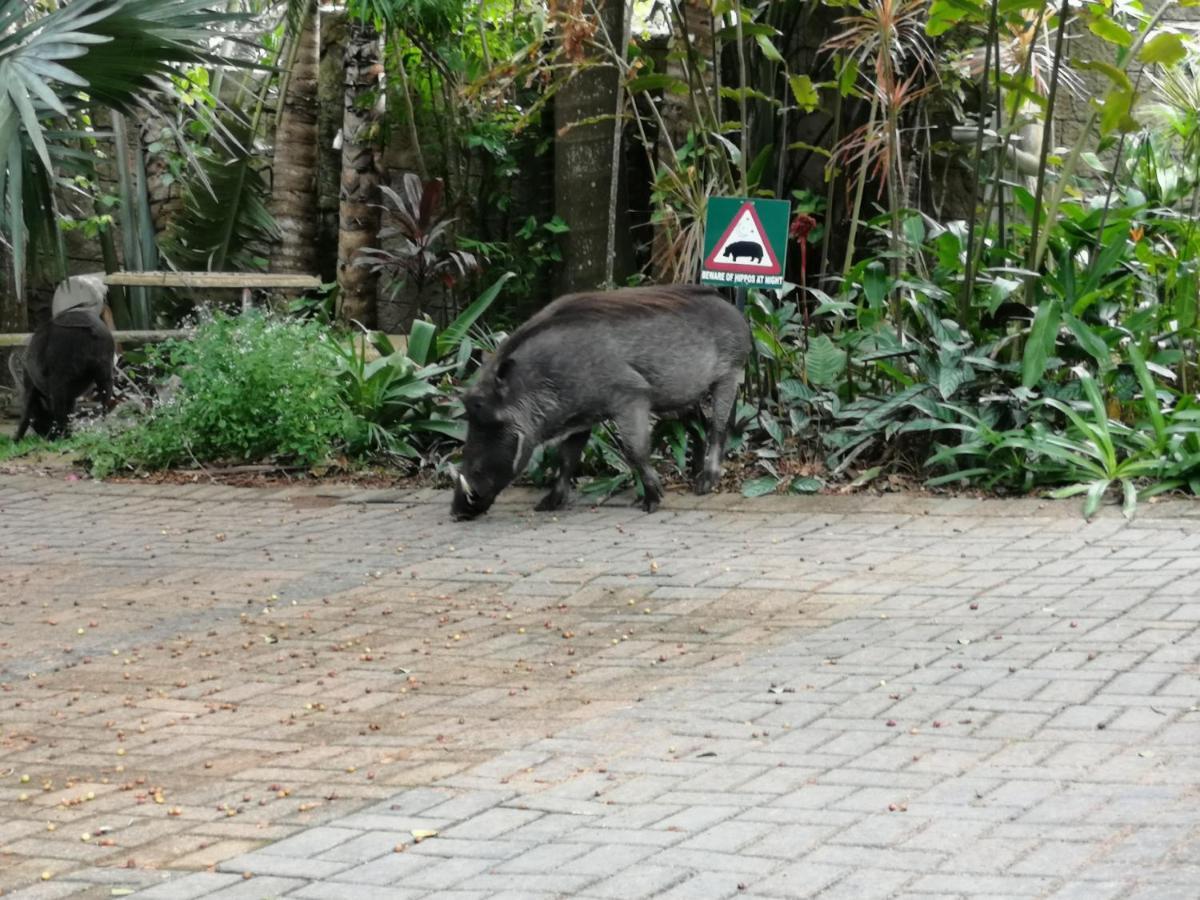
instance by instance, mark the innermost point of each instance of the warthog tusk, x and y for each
(517, 458)
(462, 480)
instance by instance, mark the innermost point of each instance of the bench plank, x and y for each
(20, 339)
(212, 279)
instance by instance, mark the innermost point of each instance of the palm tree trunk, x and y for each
(358, 222)
(294, 191)
(583, 169)
(12, 307)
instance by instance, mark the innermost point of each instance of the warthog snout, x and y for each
(468, 502)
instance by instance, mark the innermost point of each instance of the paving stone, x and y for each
(257, 888)
(705, 886)
(283, 866)
(644, 880)
(328, 890)
(188, 887)
(493, 823)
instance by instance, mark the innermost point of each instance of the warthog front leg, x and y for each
(569, 451)
(634, 425)
(724, 396)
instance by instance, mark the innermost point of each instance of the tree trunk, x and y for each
(330, 95)
(358, 221)
(13, 311)
(294, 190)
(692, 63)
(583, 163)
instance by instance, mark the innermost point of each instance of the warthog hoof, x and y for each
(556, 499)
(650, 499)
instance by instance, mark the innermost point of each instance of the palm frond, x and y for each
(225, 223)
(112, 53)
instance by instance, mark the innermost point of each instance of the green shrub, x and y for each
(250, 388)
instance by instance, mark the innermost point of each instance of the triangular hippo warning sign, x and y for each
(745, 242)
(744, 247)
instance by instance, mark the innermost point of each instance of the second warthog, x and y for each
(623, 355)
(65, 356)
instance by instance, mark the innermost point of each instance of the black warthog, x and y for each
(623, 355)
(65, 357)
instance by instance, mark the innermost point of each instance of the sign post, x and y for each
(745, 243)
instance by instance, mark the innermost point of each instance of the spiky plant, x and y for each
(57, 62)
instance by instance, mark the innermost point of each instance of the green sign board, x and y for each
(745, 242)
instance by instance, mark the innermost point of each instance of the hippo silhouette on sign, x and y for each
(752, 250)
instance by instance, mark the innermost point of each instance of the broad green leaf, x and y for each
(421, 341)
(801, 485)
(756, 487)
(768, 49)
(749, 29)
(847, 75)
(804, 92)
(1186, 294)
(1115, 112)
(771, 426)
(1000, 290)
(1149, 393)
(1089, 341)
(958, 475)
(1095, 495)
(1106, 29)
(866, 476)
(1040, 344)
(1131, 498)
(945, 14)
(951, 378)
(824, 362)
(754, 176)
(657, 81)
(1114, 74)
(1165, 49)
(811, 148)
(746, 93)
(457, 330)
(875, 283)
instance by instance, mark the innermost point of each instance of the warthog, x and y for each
(623, 355)
(65, 357)
(752, 250)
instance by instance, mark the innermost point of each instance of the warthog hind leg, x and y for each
(634, 425)
(724, 396)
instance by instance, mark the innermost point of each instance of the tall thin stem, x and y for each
(1047, 132)
(610, 249)
(964, 301)
(741, 53)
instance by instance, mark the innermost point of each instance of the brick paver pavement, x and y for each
(215, 692)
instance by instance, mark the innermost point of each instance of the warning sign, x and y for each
(745, 242)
